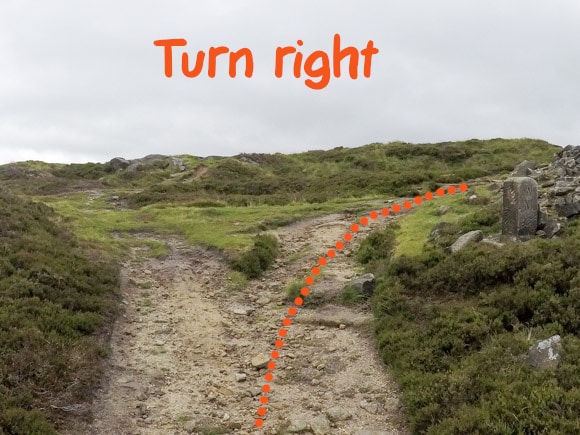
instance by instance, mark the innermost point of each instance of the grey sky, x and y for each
(82, 81)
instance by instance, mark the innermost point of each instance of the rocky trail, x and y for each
(188, 353)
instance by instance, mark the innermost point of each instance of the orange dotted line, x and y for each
(315, 271)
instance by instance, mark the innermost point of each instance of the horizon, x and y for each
(3, 163)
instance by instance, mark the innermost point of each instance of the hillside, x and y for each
(394, 169)
(57, 298)
(197, 259)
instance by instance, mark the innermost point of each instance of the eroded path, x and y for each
(184, 353)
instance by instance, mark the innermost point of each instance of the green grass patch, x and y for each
(236, 281)
(415, 228)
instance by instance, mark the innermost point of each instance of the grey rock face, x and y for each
(520, 207)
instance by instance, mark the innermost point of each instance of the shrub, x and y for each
(350, 296)
(259, 258)
(378, 245)
(453, 328)
(54, 300)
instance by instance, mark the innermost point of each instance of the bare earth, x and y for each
(181, 353)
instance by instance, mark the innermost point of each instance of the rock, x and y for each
(338, 413)
(548, 183)
(523, 169)
(520, 207)
(320, 425)
(494, 187)
(365, 284)
(466, 239)
(135, 167)
(545, 354)
(568, 207)
(243, 311)
(543, 218)
(176, 161)
(263, 300)
(255, 391)
(297, 425)
(190, 426)
(551, 228)
(260, 361)
(493, 242)
(443, 210)
(119, 163)
(240, 377)
(391, 405)
(371, 408)
(563, 187)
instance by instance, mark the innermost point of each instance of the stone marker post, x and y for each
(520, 207)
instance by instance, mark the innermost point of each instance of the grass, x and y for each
(229, 228)
(414, 229)
(292, 290)
(350, 296)
(236, 281)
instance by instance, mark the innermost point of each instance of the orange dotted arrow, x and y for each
(316, 270)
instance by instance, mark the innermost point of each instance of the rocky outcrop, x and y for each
(152, 161)
(558, 191)
(119, 163)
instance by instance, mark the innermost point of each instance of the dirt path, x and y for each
(183, 352)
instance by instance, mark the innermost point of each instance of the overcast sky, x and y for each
(82, 80)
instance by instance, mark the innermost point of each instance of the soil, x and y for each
(182, 353)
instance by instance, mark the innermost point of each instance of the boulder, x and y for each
(176, 161)
(545, 354)
(524, 169)
(466, 239)
(119, 163)
(320, 425)
(365, 284)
